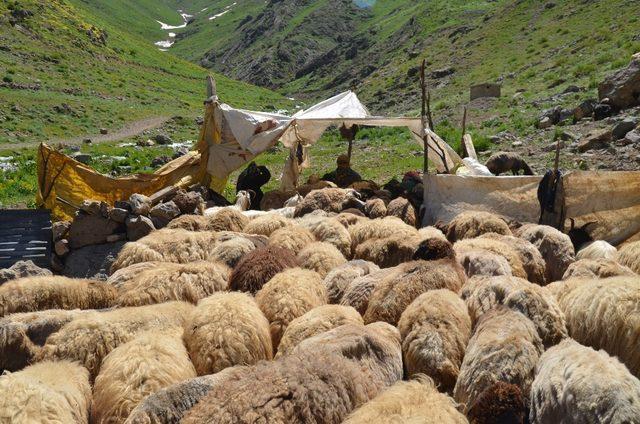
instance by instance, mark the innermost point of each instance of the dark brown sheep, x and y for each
(501, 403)
(259, 266)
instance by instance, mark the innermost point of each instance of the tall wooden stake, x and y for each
(429, 116)
(212, 90)
(423, 117)
(465, 153)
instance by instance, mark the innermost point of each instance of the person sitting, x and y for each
(343, 176)
(253, 178)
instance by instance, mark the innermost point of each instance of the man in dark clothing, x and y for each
(253, 178)
(343, 176)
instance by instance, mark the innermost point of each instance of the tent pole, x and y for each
(465, 153)
(212, 90)
(423, 120)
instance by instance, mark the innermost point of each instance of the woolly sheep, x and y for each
(161, 246)
(293, 237)
(323, 380)
(316, 321)
(531, 258)
(266, 224)
(90, 337)
(577, 384)
(605, 314)
(330, 230)
(328, 199)
(556, 248)
(135, 370)
(358, 292)
(393, 294)
(430, 232)
(388, 251)
(126, 274)
(629, 255)
(288, 295)
(258, 266)
(226, 219)
(167, 281)
(50, 392)
(596, 268)
(433, 248)
(403, 209)
(409, 401)
(598, 249)
(499, 403)
(224, 330)
(320, 257)
(375, 208)
(189, 223)
(471, 224)
(494, 246)
(30, 294)
(231, 251)
(435, 329)
(347, 219)
(480, 262)
(504, 347)
(378, 228)
(339, 278)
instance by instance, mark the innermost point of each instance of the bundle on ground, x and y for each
(629, 255)
(167, 281)
(393, 294)
(598, 249)
(499, 403)
(30, 294)
(46, 393)
(556, 248)
(596, 268)
(266, 224)
(316, 321)
(320, 257)
(577, 384)
(358, 292)
(224, 330)
(136, 369)
(338, 279)
(292, 237)
(471, 224)
(531, 258)
(435, 329)
(403, 209)
(504, 347)
(409, 401)
(289, 295)
(494, 246)
(259, 266)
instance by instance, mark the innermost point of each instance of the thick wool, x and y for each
(189, 222)
(392, 295)
(30, 294)
(388, 251)
(347, 219)
(258, 266)
(556, 248)
(435, 329)
(327, 199)
(499, 403)
(136, 369)
(598, 249)
(90, 337)
(494, 246)
(629, 255)
(320, 257)
(293, 237)
(596, 268)
(433, 247)
(323, 380)
(577, 384)
(338, 279)
(51, 392)
(167, 281)
(531, 258)
(605, 314)
(227, 219)
(224, 330)
(415, 401)
(316, 321)
(161, 246)
(266, 224)
(430, 233)
(403, 209)
(289, 295)
(126, 274)
(330, 230)
(504, 347)
(483, 263)
(257, 239)
(231, 251)
(368, 229)
(471, 224)
(358, 292)
(375, 208)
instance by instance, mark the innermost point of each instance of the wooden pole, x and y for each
(465, 153)
(423, 117)
(429, 116)
(212, 90)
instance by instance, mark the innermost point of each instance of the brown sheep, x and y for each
(327, 199)
(358, 292)
(596, 268)
(499, 403)
(494, 246)
(289, 295)
(347, 219)
(556, 248)
(430, 232)
(389, 251)
(433, 248)
(258, 266)
(629, 255)
(338, 279)
(471, 224)
(136, 369)
(391, 297)
(31, 294)
(500, 162)
(403, 209)
(293, 237)
(483, 263)
(266, 224)
(320, 257)
(227, 219)
(330, 230)
(378, 228)
(224, 330)
(531, 258)
(435, 329)
(375, 208)
(189, 223)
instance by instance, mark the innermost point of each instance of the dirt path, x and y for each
(129, 130)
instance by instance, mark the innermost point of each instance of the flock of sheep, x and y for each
(321, 313)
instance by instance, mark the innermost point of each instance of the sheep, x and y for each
(224, 330)
(375, 208)
(90, 337)
(629, 255)
(136, 369)
(243, 202)
(500, 162)
(231, 251)
(403, 209)
(432, 248)
(499, 403)
(323, 380)
(596, 268)
(330, 230)
(577, 384)
(161, 245)
(471, 224)
(378, 228)
(170, 281)
(389, 251)
(480, 262)
(347, 219)
(494, 246)
(126, 274)
(50, 392)
(320, 257)
(393, 294)
(189, 223)
(30, 294)
(358, 292)
(266, 224)
(604, 314)
(504, 347)
(294, 238)
(288, 295)
(431, 232)
(328, 199)
(258, 266)
(416, 401)
(556, 248)
(226, 219)
(531, 258)
(287, 211)
(435, 329)
(339, 278)
(598, 249)
(316, 321)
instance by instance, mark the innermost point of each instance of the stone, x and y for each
(82, 158)
(485, 90)
(140, 204)
(163, 139)
(565, 114)
(61, 247)
(599, 139)
(553, 114)
(122, 204)
(632, 137)
(104, 209)
(602, 111)
(87, 141)
(146, 143)
(571, 89)
(160, 160)
(86, 230)
(568, 136)
(545, 123)
(180, 151)
(92, 261)
(116, 237)
(623, 127)
(138, 227)
(187, 201)
(57, 265)
(104, 131)
(516, 144)
(441, 73)
(623, 87)
(60, 229)
(584, 109)
(551, 147)
(91, 207)
(118, 215)
(22, 269)
(164, 213)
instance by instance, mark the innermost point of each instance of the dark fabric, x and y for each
(342, 177)
(252, 178)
